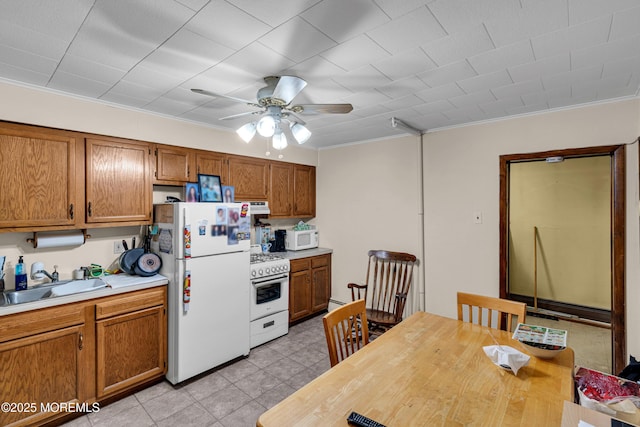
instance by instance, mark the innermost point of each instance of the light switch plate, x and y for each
(117, 247)
(477, 217)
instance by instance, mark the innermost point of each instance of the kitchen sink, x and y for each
(50, 290)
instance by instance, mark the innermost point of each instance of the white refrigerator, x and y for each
(205, 254)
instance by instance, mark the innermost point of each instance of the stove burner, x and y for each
(256, 258)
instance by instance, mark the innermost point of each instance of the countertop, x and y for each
(120, 284)
(305, 253)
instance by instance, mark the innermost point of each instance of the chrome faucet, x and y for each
(54, 277)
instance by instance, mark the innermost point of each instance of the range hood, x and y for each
(259, 208)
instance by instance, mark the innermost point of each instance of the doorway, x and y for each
(544, 239)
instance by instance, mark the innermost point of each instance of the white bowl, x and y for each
(542, 351)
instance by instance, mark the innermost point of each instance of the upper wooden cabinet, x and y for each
(304, 191)
(280, 189)
(174, 165)
(118, 181)
(249, 177)
(212, 163)
(39, 177)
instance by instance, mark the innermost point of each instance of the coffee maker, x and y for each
(278, 244)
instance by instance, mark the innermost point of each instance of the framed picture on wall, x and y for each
(210, 188)
(228, 193)
(192, 192)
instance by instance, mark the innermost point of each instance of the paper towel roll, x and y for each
(56, 240)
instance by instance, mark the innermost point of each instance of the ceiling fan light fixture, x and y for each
(247, 132)
(279, 141)
(267, 126)
(300, 132)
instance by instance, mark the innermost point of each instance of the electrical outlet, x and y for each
(117, 247)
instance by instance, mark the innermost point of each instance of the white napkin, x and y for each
(506, 357)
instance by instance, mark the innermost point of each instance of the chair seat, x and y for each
(380, 317)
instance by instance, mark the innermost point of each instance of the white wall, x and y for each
(461, 176)
(44, 108)
(368, 198)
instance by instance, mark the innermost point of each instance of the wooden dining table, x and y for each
(431, 370)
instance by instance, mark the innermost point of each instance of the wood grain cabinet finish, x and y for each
(304, 191)
(174, 165)
(81, 352)
(212, 163)
(43, 357)
(38, 177)
(118, 181)
(309, 286)
(249, 177)
(280, 189)
(131, 340)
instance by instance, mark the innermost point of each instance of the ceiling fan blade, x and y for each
(217, 95)
(322, 108)
(235, 116)
(288, 87)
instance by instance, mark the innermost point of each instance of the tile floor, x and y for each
(236, 395)
(233, 396)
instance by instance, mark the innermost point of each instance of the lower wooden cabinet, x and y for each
(131, 346)
(309, 286)
(39, 373)
(76, 354)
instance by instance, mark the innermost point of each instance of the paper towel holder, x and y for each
(34, 239)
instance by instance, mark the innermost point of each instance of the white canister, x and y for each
(78, 274)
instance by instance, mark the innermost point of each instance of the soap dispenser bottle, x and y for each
(21, 276)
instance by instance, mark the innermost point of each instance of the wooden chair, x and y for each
(389, 276)
(346, 330)
(505, 309)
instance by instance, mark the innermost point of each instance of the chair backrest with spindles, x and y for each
(389, 274)
(496, 313)
(346, 330)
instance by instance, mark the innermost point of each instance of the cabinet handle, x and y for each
(71, 210)
(80, 341)
(89, 209)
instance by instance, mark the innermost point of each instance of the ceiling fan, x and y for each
(274, 102)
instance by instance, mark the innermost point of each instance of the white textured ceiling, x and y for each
(431, 64)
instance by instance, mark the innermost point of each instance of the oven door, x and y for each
(269, 295)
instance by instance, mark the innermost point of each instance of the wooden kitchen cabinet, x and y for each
(292, 190)
(249, 176)
(43, 358)
(39, 170)
(81, 352)
(131, 339)
(280, 189)
(174, 165)
(118, 181)
(304, 191)
(309, 286)
(212, 163)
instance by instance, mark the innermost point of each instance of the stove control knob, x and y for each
(260, 272)
(285, 268)
(266, 270)
(253, 273)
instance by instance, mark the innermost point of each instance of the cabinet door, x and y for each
(320, 282)
(304, 191)
(38, 177)
(210, 163)
(131, 348)
(173, 165)
(299, 295)
(118, 183)
(42, 371)
(280, 189)
(249, 177)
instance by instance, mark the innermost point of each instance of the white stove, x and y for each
(269, 297)
(265, 265)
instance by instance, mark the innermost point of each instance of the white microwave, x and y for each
(298, 240)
